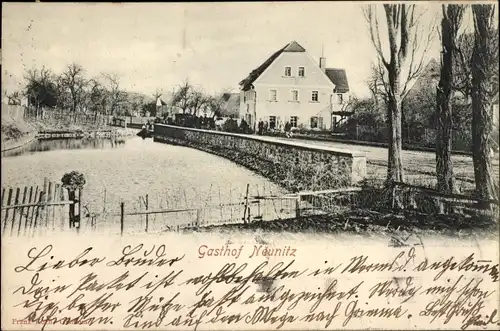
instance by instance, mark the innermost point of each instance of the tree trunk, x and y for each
(395, 171)
(483, 71)
(444, 164)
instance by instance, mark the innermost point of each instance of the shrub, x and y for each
(244, 127)
(73, 180)
(230, 126)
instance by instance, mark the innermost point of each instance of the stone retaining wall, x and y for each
(296, 166)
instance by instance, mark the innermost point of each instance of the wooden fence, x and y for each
(32, 209)
(430, 201)
(243, 210)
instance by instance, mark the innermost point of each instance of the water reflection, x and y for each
(126, 170)
(44, 145)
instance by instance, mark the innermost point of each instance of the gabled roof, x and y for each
(160, 102)
(291, 47)
(339, 78)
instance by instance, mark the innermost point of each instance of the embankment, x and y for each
(294, 166)
(15, 131)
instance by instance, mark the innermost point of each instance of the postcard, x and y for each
(250, 166)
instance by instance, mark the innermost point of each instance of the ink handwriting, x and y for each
(147, 287)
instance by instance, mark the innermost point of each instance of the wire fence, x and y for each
(175, 209)
(33, 210)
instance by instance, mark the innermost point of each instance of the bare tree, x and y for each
(98, 98)
(216, 104)
(72, 79)
(181, 97)
(197, 101)
(14, 98)
(484, 86)
(405, 40)
(462, 64)
(114, 95)
(376, 83)
(450, 24)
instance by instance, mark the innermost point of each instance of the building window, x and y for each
(314, 96)
(302, 71)
(293, 121)
(295, 95)
(340, 98)
(273, 95)
(314, 122)
(288, 71)
(272, 122)
(244, 98)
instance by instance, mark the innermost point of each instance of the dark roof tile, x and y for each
(291, 47)
(339, 78)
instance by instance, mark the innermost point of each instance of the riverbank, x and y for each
(17, 132)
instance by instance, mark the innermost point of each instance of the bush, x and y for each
(73, 181)
(244, 127)
(230, 126)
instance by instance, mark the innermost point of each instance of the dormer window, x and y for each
(302, 71)
(288, 71)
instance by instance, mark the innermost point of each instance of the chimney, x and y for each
(322, 59)
(322, 63)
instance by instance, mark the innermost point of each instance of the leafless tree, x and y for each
(113, 88)
(197, 101)
(13, 98)
(181, 97)
(98, 98)
(72, 79)
(484, 86)
(450, 25)
(406, 40)
(376, 83)
(216, 104)
(462, 64)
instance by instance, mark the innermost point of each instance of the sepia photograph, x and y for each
(250, 165)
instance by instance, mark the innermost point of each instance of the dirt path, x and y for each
(417, 164)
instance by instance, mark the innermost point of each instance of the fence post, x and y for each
(246, 206)
(16, 202)
(122, 212)
(297, 206)
(147, 215)
(72, 212)
(6, 214)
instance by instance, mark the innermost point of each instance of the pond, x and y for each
(128, 169)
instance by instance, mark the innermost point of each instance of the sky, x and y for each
(156, 46)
